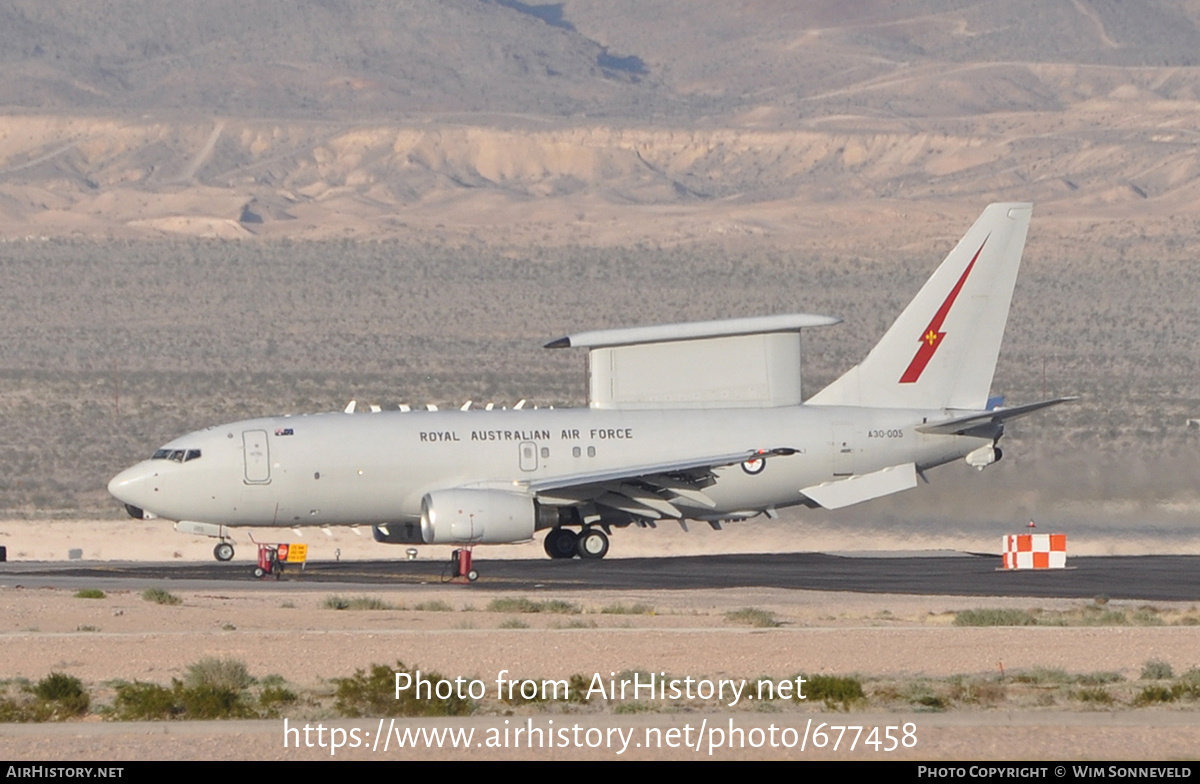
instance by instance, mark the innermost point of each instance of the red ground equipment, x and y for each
(460, 566)
(272, 557)
(270, 560)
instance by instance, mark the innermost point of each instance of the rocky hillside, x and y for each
(587, 121)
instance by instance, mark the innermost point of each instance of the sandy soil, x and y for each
(286, 630)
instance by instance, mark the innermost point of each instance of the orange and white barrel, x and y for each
(1035, 551)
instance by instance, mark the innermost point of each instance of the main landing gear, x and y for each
(223, 551)
(564, 543)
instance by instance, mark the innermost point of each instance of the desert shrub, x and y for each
(434, 605)
(752, 616)
(211, 702)
(1157, 670)
(1093, 696)
(373, 693)
(1100, 678)
(977, 691)
(993, 617)
(63, 694)
(512, 604)
(357, 603)
(1155, 694)
(559, 607)
(521, 604)
(211, 672)
(144, 701)
(931, 701)
(19, 712)
(623, 609)
(833, 689)
(1106, 618)
(273, 696)
(90, 593)
(577, 688)
(1043, 675)
(160, 596)
(1147, 616)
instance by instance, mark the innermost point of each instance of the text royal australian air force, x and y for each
(574, 434)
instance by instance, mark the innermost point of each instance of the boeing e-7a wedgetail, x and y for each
(701, 421)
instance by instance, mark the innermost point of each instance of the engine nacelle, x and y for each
(482, 516)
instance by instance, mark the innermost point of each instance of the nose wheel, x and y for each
(223, 551)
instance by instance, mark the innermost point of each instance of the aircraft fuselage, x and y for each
(375, 468)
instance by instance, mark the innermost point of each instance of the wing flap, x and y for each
(649, 492)
(627, 505)
(863, 487)
(644, 471)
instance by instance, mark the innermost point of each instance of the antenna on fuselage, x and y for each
(350, 407)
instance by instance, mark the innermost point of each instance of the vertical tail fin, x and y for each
(941, 352)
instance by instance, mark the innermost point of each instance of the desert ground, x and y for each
(986, 693)
(217, 210)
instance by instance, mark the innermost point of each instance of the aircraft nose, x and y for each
(134, 486)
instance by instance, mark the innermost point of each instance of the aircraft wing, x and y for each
(651, 491)
(963, 424)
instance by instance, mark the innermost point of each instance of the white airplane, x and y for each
(701, 421)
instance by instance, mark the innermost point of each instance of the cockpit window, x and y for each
(177, 455)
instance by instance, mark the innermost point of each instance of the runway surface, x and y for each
(1161, 578)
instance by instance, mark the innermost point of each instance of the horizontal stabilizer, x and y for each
(864, 487)
(960, 425)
